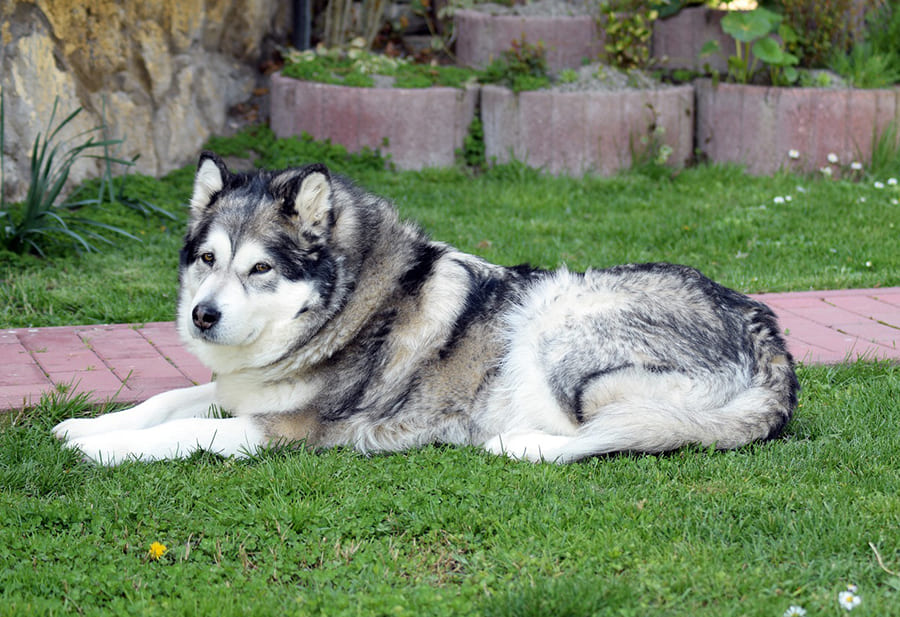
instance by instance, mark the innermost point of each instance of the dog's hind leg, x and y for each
(193, 402)
(534, 446)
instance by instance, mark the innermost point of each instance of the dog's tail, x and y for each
(644, 413)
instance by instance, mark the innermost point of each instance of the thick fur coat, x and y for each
(328, 320)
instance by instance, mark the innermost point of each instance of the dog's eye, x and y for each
(208, 258)
(260, 268)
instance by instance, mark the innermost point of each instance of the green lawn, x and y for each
(450, 531)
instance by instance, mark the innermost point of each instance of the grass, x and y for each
(455, 531)
(452, 531)
(831, 234)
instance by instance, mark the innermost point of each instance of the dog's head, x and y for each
(256, 273)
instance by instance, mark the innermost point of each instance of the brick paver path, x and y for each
(128, 363)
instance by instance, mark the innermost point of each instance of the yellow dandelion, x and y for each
(157, 550)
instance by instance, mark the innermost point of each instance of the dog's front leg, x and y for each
(239, 436)
(193, 402)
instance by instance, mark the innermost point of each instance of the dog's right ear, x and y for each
(210, 178)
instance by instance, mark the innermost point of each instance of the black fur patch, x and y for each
(424, 258)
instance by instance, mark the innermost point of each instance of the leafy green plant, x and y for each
(822, 27)
(754, 33)
(885, 159)
(521, 67)
(649, 152)
(44, 215)
(628, 28)
(863, 67)
(472, 154)
(355, 66)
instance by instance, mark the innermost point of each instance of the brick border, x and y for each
(121, 362)
(758, 125)
(677, 40)
(423, 126)
(576, 132)
(482, 37)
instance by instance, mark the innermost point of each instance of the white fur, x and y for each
(252, 328)
(207, 182)
(170, 425)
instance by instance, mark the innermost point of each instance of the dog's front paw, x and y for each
(104, 449)
(75, 428)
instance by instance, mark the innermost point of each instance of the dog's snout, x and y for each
(205, 316)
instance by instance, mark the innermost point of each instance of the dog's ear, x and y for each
(308, 196)
(210, 178)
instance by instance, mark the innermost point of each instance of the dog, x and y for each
(328, 320)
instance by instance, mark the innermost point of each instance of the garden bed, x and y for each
(417, 127)
(768, 129)
(567, 38)
(587, 130)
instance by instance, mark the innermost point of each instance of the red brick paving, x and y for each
(128, 363)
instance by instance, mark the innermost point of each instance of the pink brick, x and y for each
(55, 338)
(829, 109)
(150, 367)
(677, 40)
(793, 115)
(13, 352)
(535, 131)
(8, 337)
(163, 334)
(567, 39)
(55, 361)
(340, 115)
(605, 137)
(868, 308)
(888, 297)
(720, 121)
(18, 397)
(86, 381)
(21, 374)
(567, 119)
(499, 115)
(410, 115)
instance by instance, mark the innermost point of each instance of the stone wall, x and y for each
(166, 72)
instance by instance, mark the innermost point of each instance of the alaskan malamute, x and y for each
(327, 320)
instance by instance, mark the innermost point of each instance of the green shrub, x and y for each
(823, 27)
(521, 67)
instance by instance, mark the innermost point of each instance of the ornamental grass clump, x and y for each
(45, 216)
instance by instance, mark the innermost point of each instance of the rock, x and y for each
(161, 73)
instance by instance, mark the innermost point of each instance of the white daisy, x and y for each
(795, 611)
(849, 600)
(832, 158)
(794, 154)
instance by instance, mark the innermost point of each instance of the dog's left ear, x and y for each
(210, 178)
(312, 201)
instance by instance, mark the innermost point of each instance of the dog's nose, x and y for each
(205, 316)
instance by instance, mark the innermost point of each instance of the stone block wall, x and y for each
(418, 128)
(166, 71)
